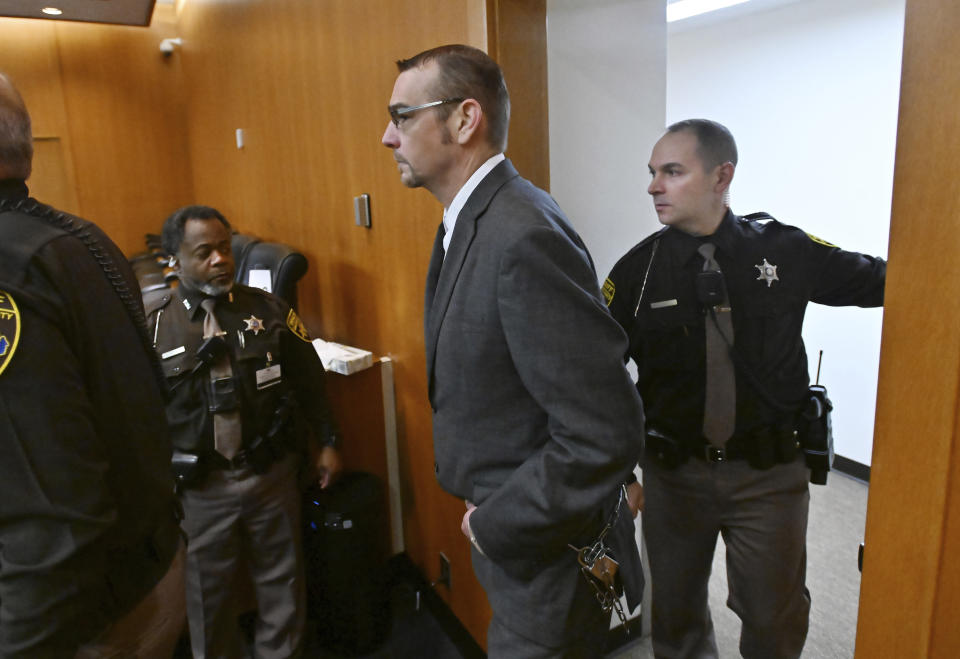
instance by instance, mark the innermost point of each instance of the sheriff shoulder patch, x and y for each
(9, 328)
(296, 326)
(609, 288)
(819, 241)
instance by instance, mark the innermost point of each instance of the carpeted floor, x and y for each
(415, 633)
(837, 518)
(420, 627)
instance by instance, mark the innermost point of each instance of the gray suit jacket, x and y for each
(535, 418)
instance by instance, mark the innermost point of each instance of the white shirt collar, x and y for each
(452, 212)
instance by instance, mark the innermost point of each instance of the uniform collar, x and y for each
(192, 300)
(725, 238)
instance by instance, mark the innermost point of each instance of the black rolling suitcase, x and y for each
(345, 551)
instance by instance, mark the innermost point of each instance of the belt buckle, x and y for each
(714, 453)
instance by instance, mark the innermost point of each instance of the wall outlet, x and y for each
(444, 577)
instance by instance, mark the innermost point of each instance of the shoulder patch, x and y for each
(9, 328)
(296, 326)
(819, 241)
(609, 288)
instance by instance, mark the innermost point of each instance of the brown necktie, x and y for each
(720, 403)
(227, 431)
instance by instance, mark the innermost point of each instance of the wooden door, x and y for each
(910, 593)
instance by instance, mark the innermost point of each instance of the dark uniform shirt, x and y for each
(772, 271)
(87, 522)
(272, 358)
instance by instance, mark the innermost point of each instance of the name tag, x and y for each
(173, 353)
(269, 376)
(663, 304)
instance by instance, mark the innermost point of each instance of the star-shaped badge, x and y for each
(768, 272)
(254, 324)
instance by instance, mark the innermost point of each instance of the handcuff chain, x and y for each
(597, 549)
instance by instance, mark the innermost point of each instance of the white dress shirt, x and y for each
(451, 213)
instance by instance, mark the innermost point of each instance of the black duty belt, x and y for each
(258, 458)
(710, 453)
(762, 449)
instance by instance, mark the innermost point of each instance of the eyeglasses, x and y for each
(398, 113)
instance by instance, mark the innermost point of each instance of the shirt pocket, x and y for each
(178, 361)
(769, 332)
(260, 358)
(669, 338)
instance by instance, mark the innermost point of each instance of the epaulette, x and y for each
(643, 243)
(759, 216)
(253, 290)
(767, 217)
(155, 300)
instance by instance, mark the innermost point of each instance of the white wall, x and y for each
(606, 63)
(606, 68)
(810, 90)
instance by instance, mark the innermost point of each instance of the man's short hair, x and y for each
(173, 227)
(715, 143)
(467, 72)
(16, 138)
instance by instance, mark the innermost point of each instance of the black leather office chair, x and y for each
(286, 265)
(151, 266)
(241, 243)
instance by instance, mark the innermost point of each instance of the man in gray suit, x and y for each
(536, 424)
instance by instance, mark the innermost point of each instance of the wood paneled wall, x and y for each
(910, 593)
(309, 82)
(108, 117)
(127, 135)
(517, 39)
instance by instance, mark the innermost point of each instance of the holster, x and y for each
(188, 470)
(771, 445)
(669, 452)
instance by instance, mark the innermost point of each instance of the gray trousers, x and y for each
(551, 614)
(504, 643)
(762, 517)
(237, 519)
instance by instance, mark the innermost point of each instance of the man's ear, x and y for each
(468, 118)
(724, 175)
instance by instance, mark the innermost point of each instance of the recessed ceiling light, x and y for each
(51, 11)
(677, 11)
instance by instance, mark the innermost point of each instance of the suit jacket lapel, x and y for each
(463, 234)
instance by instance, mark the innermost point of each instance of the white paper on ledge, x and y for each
(342, 359)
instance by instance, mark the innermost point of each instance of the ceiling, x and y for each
(120, 12)
(725, 14)
(138, 12)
